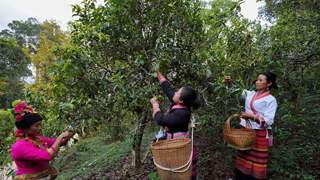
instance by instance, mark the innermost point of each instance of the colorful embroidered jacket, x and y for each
(264, 108)
(32, 161)
(177, 120)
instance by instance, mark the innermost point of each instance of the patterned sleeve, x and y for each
(49, 141)
(28, 151)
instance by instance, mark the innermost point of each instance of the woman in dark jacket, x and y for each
(177, 118)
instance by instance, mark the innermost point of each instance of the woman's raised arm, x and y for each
(164, 84)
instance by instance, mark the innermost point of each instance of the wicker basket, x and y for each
(242, 139)
(172, 154)
(53, 173)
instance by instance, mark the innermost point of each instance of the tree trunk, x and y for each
(137, 138)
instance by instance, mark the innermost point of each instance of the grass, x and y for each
(90, 157)
(93, 157)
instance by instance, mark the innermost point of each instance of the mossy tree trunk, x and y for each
(137, 137)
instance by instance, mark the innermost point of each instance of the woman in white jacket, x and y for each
(260, 109)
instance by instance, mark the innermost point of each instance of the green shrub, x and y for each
(6, 136)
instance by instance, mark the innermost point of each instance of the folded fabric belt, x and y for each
(178, 135)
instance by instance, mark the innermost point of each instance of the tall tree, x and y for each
(43, 62)
(14, 67)
(295, 43)
(25, 32)
(231, 48)
(21, 37)
(44, 59)
(116, 46)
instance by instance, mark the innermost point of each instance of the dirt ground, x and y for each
(215, 162)
(214, 159)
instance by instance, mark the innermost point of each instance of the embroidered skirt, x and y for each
(40, 175)
(253, 162)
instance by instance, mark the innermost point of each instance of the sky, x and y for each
(60, 10)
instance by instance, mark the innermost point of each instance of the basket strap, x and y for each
(192, 125)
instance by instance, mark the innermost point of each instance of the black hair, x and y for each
(190, 97)
(271, 78)
(28, 120)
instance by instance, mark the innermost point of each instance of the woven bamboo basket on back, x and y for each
(173, 154)
(242, 139)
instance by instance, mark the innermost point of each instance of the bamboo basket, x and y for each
(241, 139)
(173, 154)
(53, 173)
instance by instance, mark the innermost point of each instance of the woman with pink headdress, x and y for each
(32, 152)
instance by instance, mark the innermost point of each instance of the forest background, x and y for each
(99, 77)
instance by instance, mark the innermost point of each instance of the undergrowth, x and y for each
(295, 154)
(98, 158)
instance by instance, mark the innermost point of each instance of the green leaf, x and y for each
(217, 88)
(154, 74)
(73, 125)
(234, 108)
(60, 61)
(71, 106)
(298, 175)
(284, 116)
(79, 131)
(208, 73)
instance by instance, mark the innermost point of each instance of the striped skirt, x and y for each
(253, 163)
(194, 155)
